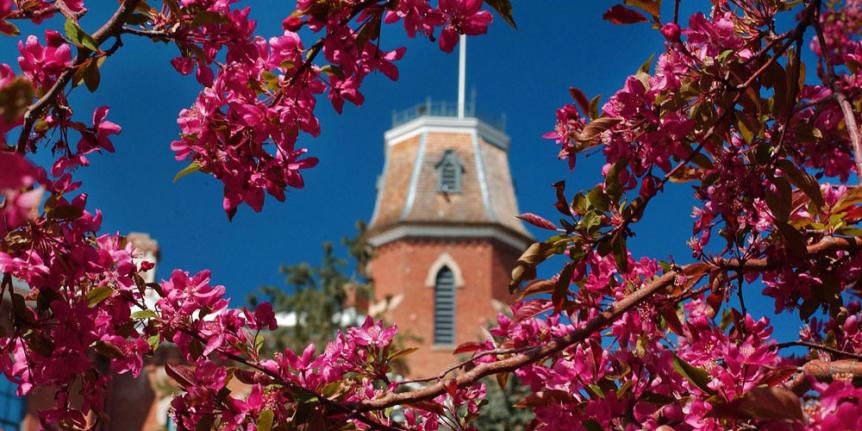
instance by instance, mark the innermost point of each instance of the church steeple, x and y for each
(410, 199)
(444, 226)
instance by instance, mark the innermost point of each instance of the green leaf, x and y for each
(646, 65)
(144, 314)
(807, 183)
(402, 352)
(15, 98)
(92, 77)
(598, 199)
(206, 17)
(724, 54)
(65, 212)
(697, 376)
(98, 295)
(78, 36)
(504, 8)
(331, 69)
(192, 167)
(154, 341)
(621, 254)
(264, 421)
(592, 425)
(594, 107)
(651, 7)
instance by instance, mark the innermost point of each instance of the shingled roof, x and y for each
(410, 200)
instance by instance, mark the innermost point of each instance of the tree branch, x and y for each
(608, 316)
(108, 29)
(841, 98)
(823, 370)
(816, 346)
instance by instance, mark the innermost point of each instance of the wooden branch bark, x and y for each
(822, 370)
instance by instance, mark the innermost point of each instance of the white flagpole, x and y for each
(462, 74)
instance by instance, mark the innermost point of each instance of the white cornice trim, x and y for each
(381, 182)
(437, 231)
(483, 179)
(414, 177)
(427, 124)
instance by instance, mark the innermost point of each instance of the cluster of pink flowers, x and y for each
(754, 144)
(718, 110)
(78, 297)
(244, 126)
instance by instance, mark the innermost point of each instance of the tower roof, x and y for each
(446, 177)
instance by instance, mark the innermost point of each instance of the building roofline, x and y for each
(428, 123)
(449, 230)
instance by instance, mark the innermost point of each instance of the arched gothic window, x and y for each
(449, 170)
(444, 307)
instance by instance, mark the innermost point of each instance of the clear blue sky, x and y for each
(524, 73)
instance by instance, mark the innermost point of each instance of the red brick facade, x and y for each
(403, 268)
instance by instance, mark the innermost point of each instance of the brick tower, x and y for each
(445, 230)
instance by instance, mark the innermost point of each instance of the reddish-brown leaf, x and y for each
(561, 288)
(180, 374)
(530, 309)
(562, 203)
(536, 287)
(470, 346)
(538, 221)
(581, 98)
(772, 403)
(672, 320)
(620, 14)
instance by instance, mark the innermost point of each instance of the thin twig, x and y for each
(462, 364)
(816, 346)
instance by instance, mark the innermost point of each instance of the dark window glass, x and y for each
(444, 307)
(449, 170)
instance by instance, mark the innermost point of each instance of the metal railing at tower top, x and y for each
(438, 108)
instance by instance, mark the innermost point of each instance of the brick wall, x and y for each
(402, 268)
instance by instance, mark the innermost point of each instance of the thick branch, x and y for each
(111, 27)
(822, 370)
(608, 316)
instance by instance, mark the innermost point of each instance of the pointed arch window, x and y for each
(444, 307)
(449, 172)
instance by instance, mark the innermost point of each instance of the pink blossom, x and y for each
(464, 17)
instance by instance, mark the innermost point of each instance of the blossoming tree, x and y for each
(770, 145)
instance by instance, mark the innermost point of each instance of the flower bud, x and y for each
(671, 32)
